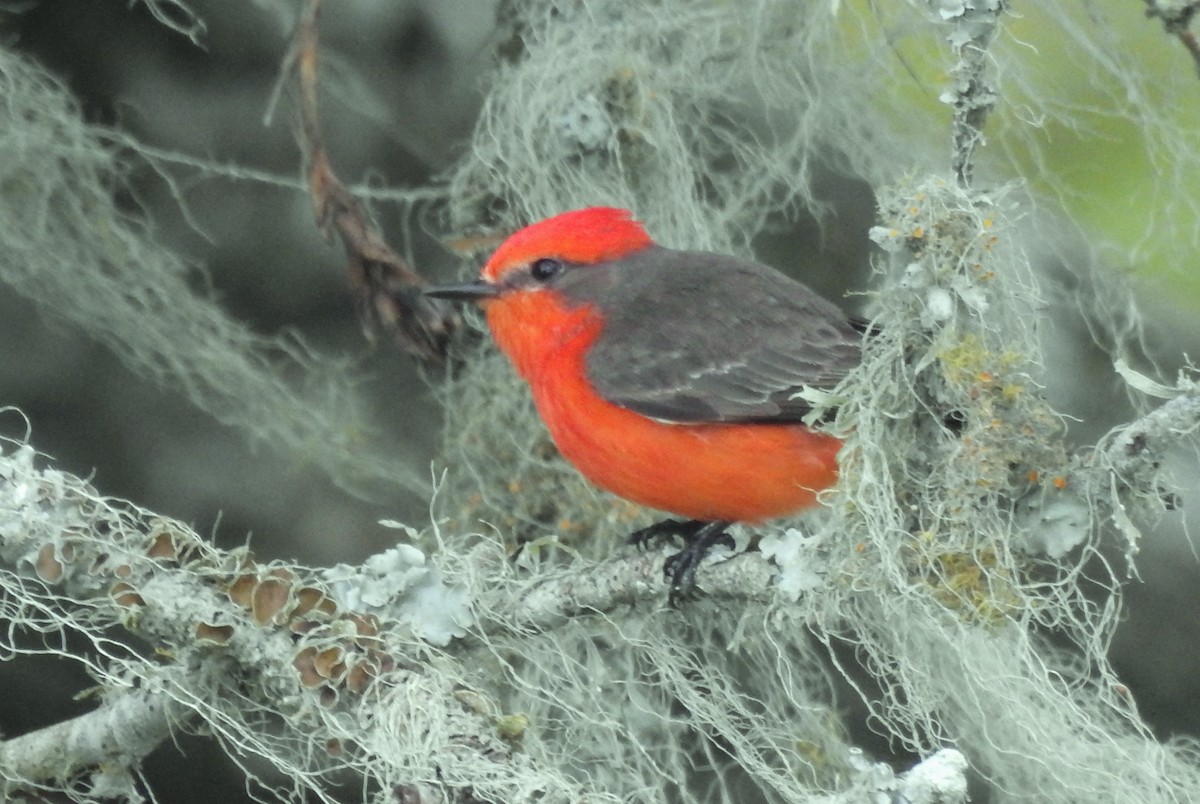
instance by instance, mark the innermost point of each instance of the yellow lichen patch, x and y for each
(976, 585)
(964, 361)
(512, 727)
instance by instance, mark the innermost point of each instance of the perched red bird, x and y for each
(670, 378)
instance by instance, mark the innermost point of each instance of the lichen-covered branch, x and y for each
(245, 649)
(269, 658)
(1147, 437)
(96, 753)
(627, 579)
(972, 93)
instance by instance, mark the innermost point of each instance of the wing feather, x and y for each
(697, 337)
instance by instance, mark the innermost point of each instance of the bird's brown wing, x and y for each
(697, 337)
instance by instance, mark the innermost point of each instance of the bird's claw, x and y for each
(664, 531)
(679, 570)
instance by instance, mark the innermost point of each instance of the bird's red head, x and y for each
(582, 236)
(530, 321)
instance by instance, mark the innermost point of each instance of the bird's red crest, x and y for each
(591, 235)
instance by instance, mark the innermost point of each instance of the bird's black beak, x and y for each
(470, 291)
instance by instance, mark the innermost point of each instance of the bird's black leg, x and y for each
(680, 569)
(698, 538)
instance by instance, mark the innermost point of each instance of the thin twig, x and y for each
(973, 93)
(1177, 19)
(386, 288)
(1147, 438)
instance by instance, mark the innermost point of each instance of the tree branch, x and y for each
(626, 580)
(973, 92)
(1146, 438)
(265, 655)
(109, 740)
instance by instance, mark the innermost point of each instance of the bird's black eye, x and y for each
(543, 269)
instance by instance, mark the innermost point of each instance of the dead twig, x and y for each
(387, 290)
(1177, 19)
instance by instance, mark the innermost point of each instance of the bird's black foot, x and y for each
(665, 532)
(680, 569)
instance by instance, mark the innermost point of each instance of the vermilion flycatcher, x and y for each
(671, 378)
